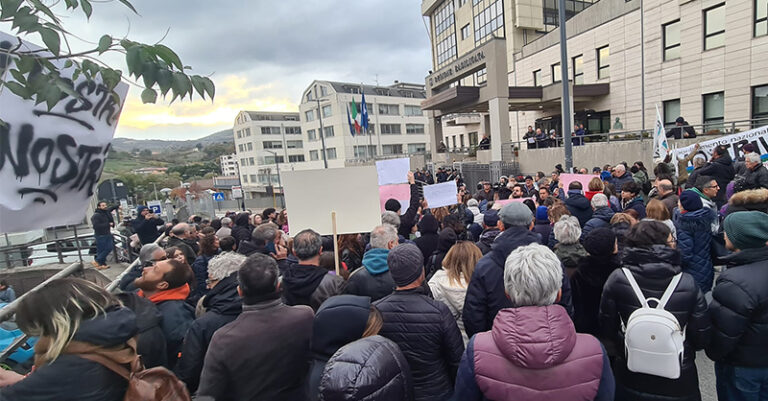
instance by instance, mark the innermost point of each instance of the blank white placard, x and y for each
(393, 171)
(439, 195)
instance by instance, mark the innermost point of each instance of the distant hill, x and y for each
(156, 145)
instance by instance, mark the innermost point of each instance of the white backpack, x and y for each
(653, 338)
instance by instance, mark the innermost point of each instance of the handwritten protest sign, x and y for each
(439, 195)
(757, 137)
(351, 192)
(394, 171)
(401, 192)
(51, 160)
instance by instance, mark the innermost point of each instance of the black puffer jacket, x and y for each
(310, 285)
(223, 305)
(447, 238)
(102, 220)
(429, 239)
(151, 341)
(369, 369)
(579, 206)
(739, 311)
(587, 289)
(653, 269)
(242, 228)
(433, 350)
(71, 378)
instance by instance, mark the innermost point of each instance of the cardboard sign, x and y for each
(51, 160)
(401, 192)
(394, 171)
(439, 195)
(584, 179)
(351, 192)
(502, 202)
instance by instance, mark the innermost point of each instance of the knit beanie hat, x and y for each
(428, 224)
(747, 230)
(406, 264)
(392, 204)
(491, 218)
(541, 213)
(690, 201)
(140, 208)
(600, 242)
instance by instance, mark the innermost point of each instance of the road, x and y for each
(706, 370)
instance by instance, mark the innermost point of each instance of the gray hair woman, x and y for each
(568, 249)
(534, 335)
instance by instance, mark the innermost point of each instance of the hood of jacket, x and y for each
(147, 315)
(302, 280)
(697, 220)
(534, 337)
(633, 202)
(428, 224)
(603, 213)
(570, 254)
(577, 200)
(446, 239)
(595, 270)
(746, 256)
(489, 235)
(223, 298)
(725, 160)
(508, 241)
(375, 261)
(242, 219)
(658, 261)
(115, 327)
(339, 321)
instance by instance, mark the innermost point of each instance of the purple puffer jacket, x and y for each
(534, 353)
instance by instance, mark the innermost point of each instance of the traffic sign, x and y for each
(156, 206)
(237, 192)
(218, 196)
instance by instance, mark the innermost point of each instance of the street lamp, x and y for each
(279, 183)
(322, 134)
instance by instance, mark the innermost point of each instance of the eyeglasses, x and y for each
(712, 186)
(153, 262)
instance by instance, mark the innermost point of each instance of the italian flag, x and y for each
(355, 117)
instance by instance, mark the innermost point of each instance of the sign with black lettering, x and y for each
(51, 160)
(757, 137)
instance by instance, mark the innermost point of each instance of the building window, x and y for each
(371, 130)
(240, 147)
(445, 33)
(328, 132)
(488, 19)
(417, 147)
(294, 144)
(251, 162)
(414, 128)
(295, 158)
(311, 135)
(714, 110)
(313, 155)
(453, 138)
(330, 153)
(444, 17)
(413, 110)
(461, 140)
(599, 122)
(389, 110)
(291, 118)
(273, 159)
(390, 129)
(323, 91)
(309, 115)
(250, 146)
(481, 76)
(247, 132)
(239, 134)
(365, 151)
(537, 78)
(472, 139)
(293, 130)
(273, 144)
(327, 111)
(671, 111)
(245, 178)
(446, 50)
(603, 67)
(368, 106)
(714, 27)
(465, 32)
(254, 178)
(310, 96)
(671, 32)
(392, 149)
(761, 18)
(760, 105)
(556, 73)
(270, 130)
(578, 70)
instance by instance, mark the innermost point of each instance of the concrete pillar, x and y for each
(499, 112)
(436, 129)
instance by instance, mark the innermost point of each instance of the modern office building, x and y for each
(501, 58)
(397, 126)
(228, 165)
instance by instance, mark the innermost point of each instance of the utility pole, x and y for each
(279, 181)
(322, 134)
(565, 100)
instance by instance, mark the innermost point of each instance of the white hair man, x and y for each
(620, 176)
(226, 228)
(374, 279)
(756, 175)
(568, 249)
(219, 307)
(534, 335)
(601, 217)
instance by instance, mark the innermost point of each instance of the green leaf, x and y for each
(52, 96)
(104, 43)
(199, 85)
(68, 64)
(25, 21)
(8, 8)
(148, 95)
(129, 5)
(90, 68)
(19, 77)
(149, 74)
(209, 87)
(168, 55)
(44, 9)
(71, 4)
(25, 64)
(51, 39)
(87, 8)
(181, 84)
(110, 77)
(67, 88)
(18, 89)
(164, 80)
(133, 60)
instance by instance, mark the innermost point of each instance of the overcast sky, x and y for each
(261, 54)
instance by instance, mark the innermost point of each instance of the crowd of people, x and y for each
(598, 293)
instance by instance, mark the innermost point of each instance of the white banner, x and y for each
(51, 160)
(757, 137)
(660, 145)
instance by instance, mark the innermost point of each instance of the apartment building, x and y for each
(228, 165)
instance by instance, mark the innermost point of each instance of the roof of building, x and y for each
(272, 116)
(398, 89)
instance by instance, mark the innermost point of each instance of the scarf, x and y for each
(174, 294)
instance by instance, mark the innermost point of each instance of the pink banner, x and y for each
(584, 179)
(401, 192)
(503, 202)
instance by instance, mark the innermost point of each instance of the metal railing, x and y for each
(24, 255)
(113, 285)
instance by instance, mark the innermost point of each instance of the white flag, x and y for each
(660, 145)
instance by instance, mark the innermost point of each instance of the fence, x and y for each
(61, 250)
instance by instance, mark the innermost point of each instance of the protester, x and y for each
(653, 261)
(529, 190)
(185, 240)
(485, 143)
(620, 177)
(449, 284)
(665, 192)
(228, 244)
(150, 340)
(554, 213)
(541, 226)
(620, 224)
(7, 294)
(751, 199)
(148, 255)
(590, 276)
(739, 307)
(433, 352)
(102, 223)
(340, 320)
(226, 228)
(351, 250)
(145, 225)
(446, 239)
(485, 294)
(720, 168)
(209, 247)
(578, 204)
(532, 351)
(594, 187)
(656, 210)
(409, 218)
(176, 253)
(374, 280)
(601, 216)
(490, 231)
(372, 368)
(682, 129)
(755, 173)
(222, 305)
(568, 248)
(305, 282)
(165, 283)
(632, 200)
(242, 229)
(428, 239)
(269, 341)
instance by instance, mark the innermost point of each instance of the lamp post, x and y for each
(322, 134)
(240, 184)
(279, 183)
(566, 96)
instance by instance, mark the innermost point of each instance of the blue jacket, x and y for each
(485, 294)
(600, 218)
(619, 182)
(693, 241)
(579, 206)
(636, 204)
(147, 229)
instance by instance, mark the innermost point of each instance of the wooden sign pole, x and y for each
(335, 242)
